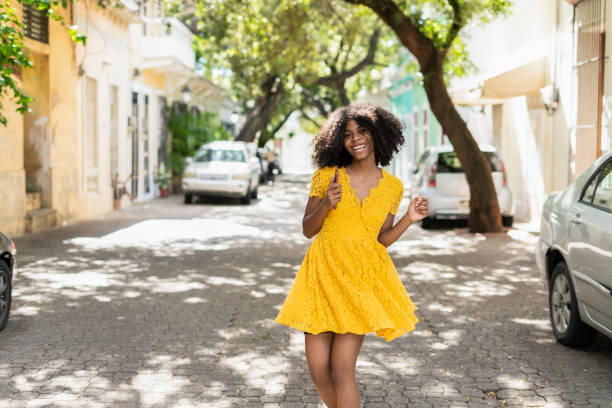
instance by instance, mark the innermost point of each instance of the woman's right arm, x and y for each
(317, 209)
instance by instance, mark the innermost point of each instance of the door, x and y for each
(134, 128)
(590, 247)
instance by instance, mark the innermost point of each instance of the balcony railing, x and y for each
(165, 42)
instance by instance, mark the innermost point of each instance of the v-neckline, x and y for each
(352, 190)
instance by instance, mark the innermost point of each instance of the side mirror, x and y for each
(188, 160)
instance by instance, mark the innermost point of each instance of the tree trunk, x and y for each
(484, 207)
(273, 90)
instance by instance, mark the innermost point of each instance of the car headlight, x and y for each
(240, 176)
(189, 174)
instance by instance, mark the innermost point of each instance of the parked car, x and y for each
(439, 176)
(222, 168)
(7, 266)
(574, 255)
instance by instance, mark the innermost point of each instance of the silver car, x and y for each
(574, 255)
(222, 168)
(439, 176)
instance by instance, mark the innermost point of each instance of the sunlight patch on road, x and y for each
(428, 271)
(152, 234)
(222, 280)
(159, 384)
(541, 324)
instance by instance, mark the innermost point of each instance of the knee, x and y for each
(321, 374)
(342, 374)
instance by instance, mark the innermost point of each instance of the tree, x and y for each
(282, 55)
(13, 57)
(428, 29)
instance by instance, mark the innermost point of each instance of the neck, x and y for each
(365, 165)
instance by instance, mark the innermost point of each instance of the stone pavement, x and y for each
(167, 305)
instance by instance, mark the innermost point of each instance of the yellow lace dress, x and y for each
(347, 281)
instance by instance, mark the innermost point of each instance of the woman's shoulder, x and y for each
(395, 182)
(325, 171)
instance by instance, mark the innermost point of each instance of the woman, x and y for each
(347, 285)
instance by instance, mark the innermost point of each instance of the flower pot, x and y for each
(164, 192)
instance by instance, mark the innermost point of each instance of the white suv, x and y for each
(439, 177)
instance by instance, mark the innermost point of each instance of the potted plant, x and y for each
(162, 178)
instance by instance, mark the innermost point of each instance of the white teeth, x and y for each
(360, 147)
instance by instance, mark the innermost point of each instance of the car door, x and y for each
(590, 247)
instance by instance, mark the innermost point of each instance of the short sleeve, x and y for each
(398, 194)
(316, 185)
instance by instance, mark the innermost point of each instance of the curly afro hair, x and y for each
(386, 131)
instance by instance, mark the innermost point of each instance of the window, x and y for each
(208, 155)
(35, 23)
(90, 121)
(603, 192)
(448, 162)
(599, 189)
(114, 130)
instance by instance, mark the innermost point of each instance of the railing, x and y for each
(167, 38)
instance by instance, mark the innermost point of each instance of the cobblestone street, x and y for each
(169, 305)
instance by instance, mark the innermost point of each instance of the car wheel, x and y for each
(564, 315)
(247, 198)
(5, 294)
(188, 198)
(507, 220)
(254, 193)
(427, 223)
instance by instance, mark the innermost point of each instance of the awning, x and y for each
(526, 79)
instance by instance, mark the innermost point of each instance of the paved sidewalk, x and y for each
(167, 305)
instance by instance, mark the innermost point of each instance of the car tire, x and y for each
(507, 220)
(427, 223)
(5, 294)
(254, 193)
(567, 326)
(188, 199)
(247, 198)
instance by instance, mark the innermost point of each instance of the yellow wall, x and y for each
(155, 81)
(12, 175)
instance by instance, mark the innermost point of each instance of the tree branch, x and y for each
(308, 118)
(417, 43)
(280, 124)
(335, 78)
(315, 102)
(456, 26)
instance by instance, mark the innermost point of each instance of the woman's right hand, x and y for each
(334, 192)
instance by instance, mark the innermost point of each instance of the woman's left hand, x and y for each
(418, 209)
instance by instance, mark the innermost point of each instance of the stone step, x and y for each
(41, 219)
(32, 201)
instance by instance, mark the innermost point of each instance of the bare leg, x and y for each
(318, 354)
(345, 349)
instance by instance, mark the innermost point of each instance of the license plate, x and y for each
(212, 176)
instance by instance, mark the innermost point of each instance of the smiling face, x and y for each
(358, 141)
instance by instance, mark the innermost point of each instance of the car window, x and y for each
(208, 155)
(448, 162)
(603, 191)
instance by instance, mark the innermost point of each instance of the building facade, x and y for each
(97, 134)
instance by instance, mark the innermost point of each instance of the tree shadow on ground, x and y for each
(177, 310)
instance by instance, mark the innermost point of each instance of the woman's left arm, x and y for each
(389, 233)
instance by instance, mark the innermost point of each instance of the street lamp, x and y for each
(186, 94)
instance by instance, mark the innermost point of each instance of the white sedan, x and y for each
(574, 255)
(222, 168)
